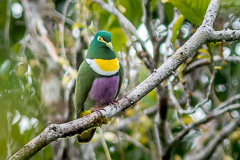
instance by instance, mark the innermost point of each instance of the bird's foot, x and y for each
(104, 120)
(113, 102)
(98, 109)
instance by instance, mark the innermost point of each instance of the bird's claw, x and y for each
(113, 102)
(98, 110)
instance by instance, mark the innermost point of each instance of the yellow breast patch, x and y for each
(103, 66)
(107, 65)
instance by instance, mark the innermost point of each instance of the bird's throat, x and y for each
(104, 66)
(107, 65)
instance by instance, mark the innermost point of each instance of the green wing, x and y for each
(121, 75)
(84, 82)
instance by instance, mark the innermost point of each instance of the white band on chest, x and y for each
(107, 63)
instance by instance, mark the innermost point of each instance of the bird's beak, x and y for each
(109, 45)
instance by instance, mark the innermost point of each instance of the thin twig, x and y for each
(160, 10)
(203, 62)
(147, 19)
(173, 98)
(156, 135)
(135, 142)
(35, 23)
(7, 24)
(170, 34)
(208, 118)
(213, 144)
(209, 91)
(105, 147)
(62, 17)
(175, 102)
(121, 125)
(61, 27)
(227, 102)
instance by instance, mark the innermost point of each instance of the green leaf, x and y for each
(110, 21)
(180, 72)
(177, 27)
(16, 47)
(205, 54)
(168, 13)
(105, 19)
(119, 38)
(3, 9)
(192, 10)
(79, 25)
(133, 11)
(154, 4)
(153, 95)
(202, 50)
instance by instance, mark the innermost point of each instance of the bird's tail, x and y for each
(87, 135)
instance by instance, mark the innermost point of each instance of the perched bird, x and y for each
(99, 79)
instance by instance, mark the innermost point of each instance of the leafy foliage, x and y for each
(29, 100)
(193, 10)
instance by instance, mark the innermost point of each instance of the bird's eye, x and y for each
(99, 39)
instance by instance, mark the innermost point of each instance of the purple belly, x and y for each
(104, 90)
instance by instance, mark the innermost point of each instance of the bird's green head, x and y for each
(101, 46)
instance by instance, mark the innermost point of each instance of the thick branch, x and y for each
(225, 35)
(211, 13)
(55, 131)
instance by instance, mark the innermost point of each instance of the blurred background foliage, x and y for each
(43, 42)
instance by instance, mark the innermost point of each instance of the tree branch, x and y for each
(224, 35)
(211, 147)
(61, 27)
(209, 91)
(135, 142)
(7, 24)
(55, 131)
(147, 19)
(179, 137)
(202, 62)
(228, 101)
(35, 23)
(175, 102)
